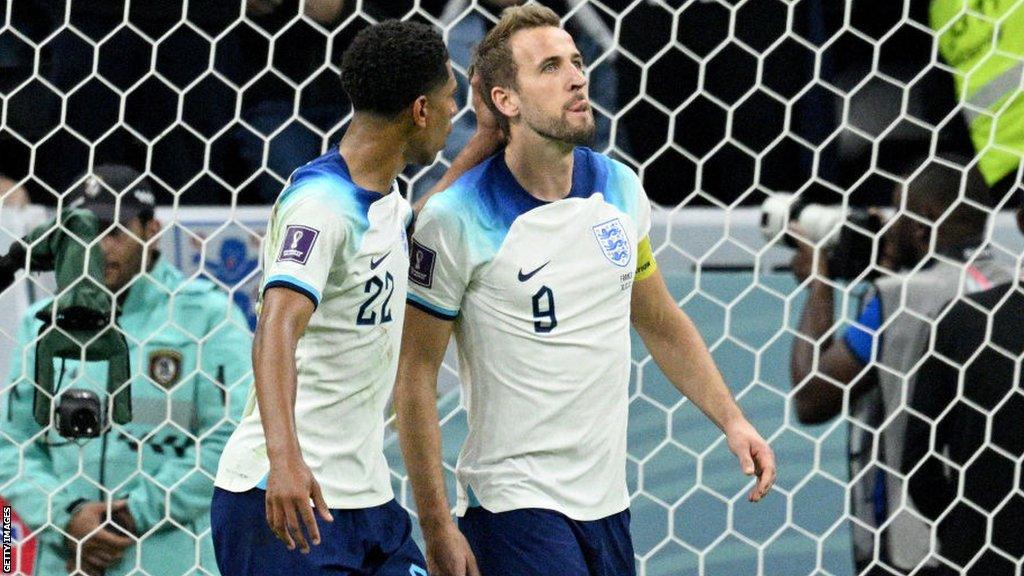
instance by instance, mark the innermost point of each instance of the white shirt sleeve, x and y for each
(643, 211)
(439, 267)
(306, 234)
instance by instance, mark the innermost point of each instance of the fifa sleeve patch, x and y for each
(421, 265)
(298, 244)
(645, 263)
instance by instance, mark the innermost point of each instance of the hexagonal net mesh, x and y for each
(719, 105)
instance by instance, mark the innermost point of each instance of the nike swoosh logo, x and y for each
(374, 262)
(525, 277)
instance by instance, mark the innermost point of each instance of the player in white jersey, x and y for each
(539, 259)
(326, 346)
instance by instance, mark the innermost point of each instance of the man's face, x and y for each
(123, 246)
(552, 86)
(441, 108)
(901, 247)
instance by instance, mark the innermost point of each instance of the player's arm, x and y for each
(819, 393)
(678, 349)
(424, 341)
(283, 318)
(485, 141)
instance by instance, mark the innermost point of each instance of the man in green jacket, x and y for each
(137, 497)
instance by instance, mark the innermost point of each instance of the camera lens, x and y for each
(84, 421)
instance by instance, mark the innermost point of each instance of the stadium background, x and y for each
(717, 103)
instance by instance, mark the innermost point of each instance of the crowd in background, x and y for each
(220, 101)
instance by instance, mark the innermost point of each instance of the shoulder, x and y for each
(616, 168)
(468, 190)
(619, 183)
(324, 191)
(322, 186)
(197, 296)
(971, 311)
(207, 309)
(463, 201)
(618, 172)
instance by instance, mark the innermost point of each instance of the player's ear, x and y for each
(506, 101)
(419, 111)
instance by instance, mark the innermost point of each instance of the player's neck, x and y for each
(373, 152)
(542, 166)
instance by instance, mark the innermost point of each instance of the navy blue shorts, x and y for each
(370, 541)
(535, 542)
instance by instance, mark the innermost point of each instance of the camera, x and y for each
(78, 322)
(848, 233)
(79, 414)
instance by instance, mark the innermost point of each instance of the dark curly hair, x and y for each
(391, 64)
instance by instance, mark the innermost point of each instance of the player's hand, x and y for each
(803, 260)
(486, 123)
(290, 487)
(448, 552)
(100, 545)
(755, 455)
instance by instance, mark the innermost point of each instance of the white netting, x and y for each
(717, 103)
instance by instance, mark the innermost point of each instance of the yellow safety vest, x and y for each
(983, 40)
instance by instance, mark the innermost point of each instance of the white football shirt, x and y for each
(540, 296)
(345, 248)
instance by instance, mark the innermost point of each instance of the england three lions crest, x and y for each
(614, 242)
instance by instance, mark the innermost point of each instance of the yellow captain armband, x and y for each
(645, 263)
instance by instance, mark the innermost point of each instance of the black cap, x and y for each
(114, 190)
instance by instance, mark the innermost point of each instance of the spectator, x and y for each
(137, 496)
(891, 336)
(981, 338)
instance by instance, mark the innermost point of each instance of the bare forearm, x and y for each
(817, 399)
(681, 354)
(816, 320)
(273, 357)
(420, 436)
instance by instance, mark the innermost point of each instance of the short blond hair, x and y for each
(494, 60)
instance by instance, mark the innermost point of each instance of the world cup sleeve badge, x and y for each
(611, 237)
(298, 244)
(165, 367)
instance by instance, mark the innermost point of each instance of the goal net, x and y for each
(718, 104)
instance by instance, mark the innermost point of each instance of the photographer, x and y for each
(965, 436)
(137, 496)
(930, 254)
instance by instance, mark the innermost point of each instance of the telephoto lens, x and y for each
(79, 414)
(848, 235)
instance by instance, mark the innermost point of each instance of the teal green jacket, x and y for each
(191, 372)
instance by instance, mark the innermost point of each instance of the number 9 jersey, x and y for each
(345, 248)
(540, 295)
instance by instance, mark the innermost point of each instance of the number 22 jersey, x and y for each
(540, 296)
(345, 248)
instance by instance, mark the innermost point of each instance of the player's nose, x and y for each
(579, 79)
